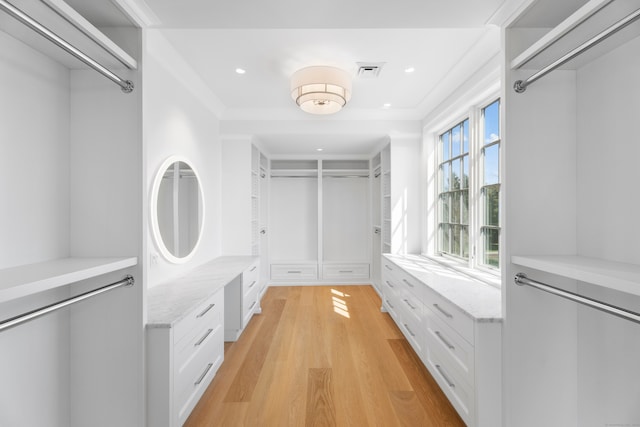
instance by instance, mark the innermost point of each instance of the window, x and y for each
(469, 164)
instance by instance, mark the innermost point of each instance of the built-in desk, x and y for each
(188, 320)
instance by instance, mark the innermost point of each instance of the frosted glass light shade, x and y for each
(321, 90)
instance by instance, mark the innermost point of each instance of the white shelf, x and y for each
(30, 279)
(608, 274)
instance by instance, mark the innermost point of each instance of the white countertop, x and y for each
(169, 302)
(480, 301)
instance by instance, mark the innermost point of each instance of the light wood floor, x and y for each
(322, 356)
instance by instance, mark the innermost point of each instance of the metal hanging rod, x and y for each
(521, 279)
(14, 321)
(126, 85)
(521, 85)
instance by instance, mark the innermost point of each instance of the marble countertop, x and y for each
(169, 302)
(477, 299)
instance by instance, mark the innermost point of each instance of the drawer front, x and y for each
(192, 380)
(249, 304)
(201, 318)
(451, 315)
(389, 268)
(294, 271)
(250, 277)
(345, 271)
(450, 344)
(411, 325)
(459, 393)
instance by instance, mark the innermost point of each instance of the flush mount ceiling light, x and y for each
(321, 90)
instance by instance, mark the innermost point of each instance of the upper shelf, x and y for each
(64, 21)
(30, 279)
(587, 22)
(608, 274)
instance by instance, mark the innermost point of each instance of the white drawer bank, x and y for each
(454, 324)
(188, 320)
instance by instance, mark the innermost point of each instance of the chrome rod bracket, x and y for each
(520, 86)
(128, 86)
(130, 280)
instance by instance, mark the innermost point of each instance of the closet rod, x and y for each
(126, 85)
(521, 279)
(521, 85)
(14, 321)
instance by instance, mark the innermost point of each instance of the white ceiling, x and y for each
(444, 41)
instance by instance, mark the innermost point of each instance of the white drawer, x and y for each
(459, 393)
(294, 271)
(202, 317)
(451, 315)
(345, 271)
(411, 306)
(390, 285)
(249, 304)
(197, 373)
(452, 345)
(250, 276)
(389, 267)
(411, 327)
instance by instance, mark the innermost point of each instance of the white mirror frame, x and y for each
(153, 208)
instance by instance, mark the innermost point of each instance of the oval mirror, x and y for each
(177, 209)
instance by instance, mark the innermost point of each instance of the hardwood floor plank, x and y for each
(436, 405)
(322, 355)
(320, 407)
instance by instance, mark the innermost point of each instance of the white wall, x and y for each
(179, 119)
(34, 227)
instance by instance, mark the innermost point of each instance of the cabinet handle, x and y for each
(205, 310)
(390, 305)
(409, 330)
(389, 284)
(204, 337)
(252, 305)
(254, 268)
(204, 374)
(388, 268)
(439, 335)
(452, 385)
(345, 271)
(408, 283)
(252, 284)
(450, 316)
(294, 271)
(409, 304)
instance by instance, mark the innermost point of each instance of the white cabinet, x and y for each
(189, 320)
(571, 171)
(461, 349)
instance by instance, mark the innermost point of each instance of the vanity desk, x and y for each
(188, 320)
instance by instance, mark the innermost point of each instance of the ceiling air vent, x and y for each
(369, 70)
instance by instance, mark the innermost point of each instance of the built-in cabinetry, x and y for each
(571, 167)
(244, 203)
(319, 216)
(188, 321)
(454, 325)
(70, 223)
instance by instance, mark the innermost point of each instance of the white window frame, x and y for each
(474, 264)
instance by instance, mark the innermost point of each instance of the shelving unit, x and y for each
(26, 280)
(385, 169)
(570, 167)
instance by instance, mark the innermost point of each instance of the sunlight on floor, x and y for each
(340, 305)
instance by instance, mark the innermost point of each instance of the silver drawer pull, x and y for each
(439, 335)
(450, 316)
(388, 268)
(409, 330)
(252, 284)
(409, 304)
(204, 374)
(252, 305)
(204, 337)
(389, 304)
(254, 268)
(389, 284)
(452, 385)
(346, 271)
(407, 282)
(206, 310)
(294, 271)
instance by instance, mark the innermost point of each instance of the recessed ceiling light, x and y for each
(386, 105)
(409, 70)
(240, 70)
(319, 149)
